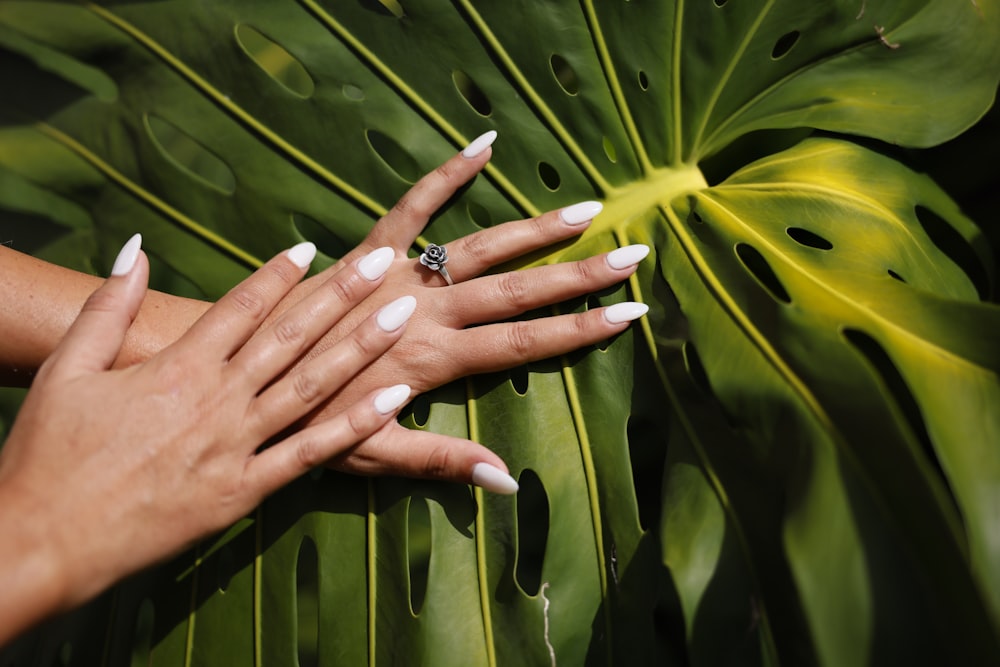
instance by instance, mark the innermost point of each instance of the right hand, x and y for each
(439, 346)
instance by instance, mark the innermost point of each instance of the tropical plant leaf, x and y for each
(793, 460)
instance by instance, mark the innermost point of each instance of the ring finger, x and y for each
(476, 253)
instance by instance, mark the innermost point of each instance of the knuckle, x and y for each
(362, 347)
(521, 339)
(513, 289)
(247, 301)
(290, 333)
(308, 452)
(446, 172)
(437, 464)
(307, 387)
(408, 206)
(342, 287)
(583, 272)
(358, 424)
(285, 272)
(538, 227)
(477, 247)
(102, 301)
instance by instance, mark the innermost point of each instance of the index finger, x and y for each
(400, 227)
(229, 324)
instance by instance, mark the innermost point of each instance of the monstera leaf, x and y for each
(794, 459)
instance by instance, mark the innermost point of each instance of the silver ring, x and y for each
(434, 258)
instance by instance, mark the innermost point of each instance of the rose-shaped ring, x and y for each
(434, 258)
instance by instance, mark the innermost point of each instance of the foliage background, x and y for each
(737, 481)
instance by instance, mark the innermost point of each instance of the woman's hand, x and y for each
(440, 344)
(107, 471)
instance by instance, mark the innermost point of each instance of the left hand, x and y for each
(107, 471)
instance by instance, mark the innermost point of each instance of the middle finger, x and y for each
(505, 295)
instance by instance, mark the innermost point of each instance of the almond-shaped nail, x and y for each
(625, 312)
(127, 256)
(493, 479)
(302, 255)
(627, 256)
(393, 314)
(391, 398)
(376, 263)
(479, 144)
(577, 214)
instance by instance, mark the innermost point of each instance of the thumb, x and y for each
(95, 338)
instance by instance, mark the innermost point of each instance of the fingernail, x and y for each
(127, 256)
(391, 398)
(479, 144)
(376, 263)
(625, 312)
(392, 316)
(580, 213)
(627, 256)
(301, 255)
(493, 479)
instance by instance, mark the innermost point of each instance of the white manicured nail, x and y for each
(580, 213)
(493, 479)
(625, 312)
(391, 398)
(627, 256)
(376, 263)
(392, 316)
(479, 144)
(302, 255)
(127, 256)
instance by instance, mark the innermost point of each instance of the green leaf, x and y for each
(794, 459)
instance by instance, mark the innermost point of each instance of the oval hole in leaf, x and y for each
(326, 240)
(761, 270)
(519, 379)
(720, 3)
(954, 245)
(142, 637)
(532, 531)
(472, 93)
(276, 61)
(307, 603)
(643, 80)
(808, 239)
(896, 276)
(647, 453)
(384, 7)
(900, 394)
(394, 156)
(609, 149)
(224, 568)
(189, 156)
(784, 44)
(418, 550)
(565, 74)
(480, 215)
(352, 92)
(420, 409)
(550, 177)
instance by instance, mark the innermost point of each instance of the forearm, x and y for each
(41, 300)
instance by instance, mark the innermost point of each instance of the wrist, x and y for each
(34, 573)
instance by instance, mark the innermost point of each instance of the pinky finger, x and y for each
(313, 446)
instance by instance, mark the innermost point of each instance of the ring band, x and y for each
(434, 258)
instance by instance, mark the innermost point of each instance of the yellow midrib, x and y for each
(628, 202)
